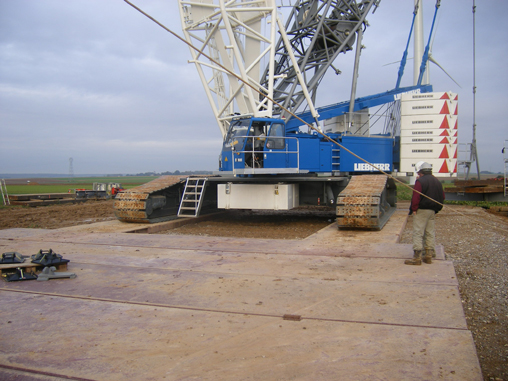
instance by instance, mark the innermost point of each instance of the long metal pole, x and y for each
(418, 41)
(355, 78)
(425, 57)
(473, 147)
(404, 56)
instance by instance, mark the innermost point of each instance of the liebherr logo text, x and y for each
(368, 167)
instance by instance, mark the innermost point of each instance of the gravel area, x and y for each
(477, 243)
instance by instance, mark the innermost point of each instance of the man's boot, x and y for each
(427, 258)
(417, 259)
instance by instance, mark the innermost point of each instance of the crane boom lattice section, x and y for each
(318, 31)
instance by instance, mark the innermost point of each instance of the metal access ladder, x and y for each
(190, 205)
(3, 190)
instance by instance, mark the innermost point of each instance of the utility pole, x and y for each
(474, 152)
(71, 169)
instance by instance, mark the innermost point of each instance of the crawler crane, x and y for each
(261, 78)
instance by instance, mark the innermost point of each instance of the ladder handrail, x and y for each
(194, 186)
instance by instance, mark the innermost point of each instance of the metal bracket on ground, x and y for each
(48, 257)
(49, 273)
(20, 275)
(12, 257)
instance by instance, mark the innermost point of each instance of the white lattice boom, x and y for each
(231, 33)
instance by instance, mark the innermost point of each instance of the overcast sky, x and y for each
(97, 81)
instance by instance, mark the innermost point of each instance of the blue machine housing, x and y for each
(376, 149)
(263, 146)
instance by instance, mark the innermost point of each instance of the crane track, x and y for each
(367, 202)
(147, 203)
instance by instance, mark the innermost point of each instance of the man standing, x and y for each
(425, 213)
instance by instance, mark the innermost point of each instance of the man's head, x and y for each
(423, 168)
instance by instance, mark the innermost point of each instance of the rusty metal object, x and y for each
(477, 186)
(292, 317)
(150, 202)
(366, 202)
(476, 189)
(479, 183)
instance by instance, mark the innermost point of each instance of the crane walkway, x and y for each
(154, 307)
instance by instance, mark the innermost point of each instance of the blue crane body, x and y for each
(263, 146)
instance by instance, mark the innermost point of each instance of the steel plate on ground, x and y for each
(149, 307)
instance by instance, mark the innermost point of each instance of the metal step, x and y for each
(190, 205)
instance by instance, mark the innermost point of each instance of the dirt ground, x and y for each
(474, 239)
(56, 216)
(296, 224)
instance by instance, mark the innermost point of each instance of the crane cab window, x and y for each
(276, 138)
(259, 131)
(237, 133)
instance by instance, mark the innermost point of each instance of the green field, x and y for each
(60, 185)
(404, 193)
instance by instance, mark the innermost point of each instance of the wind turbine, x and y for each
(419, 51)
(418, 44)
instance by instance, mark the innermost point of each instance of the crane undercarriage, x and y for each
(362, 201)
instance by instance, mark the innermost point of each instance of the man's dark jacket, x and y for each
(429, 186)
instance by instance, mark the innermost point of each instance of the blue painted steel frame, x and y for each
(331, 111)
(376, 149)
